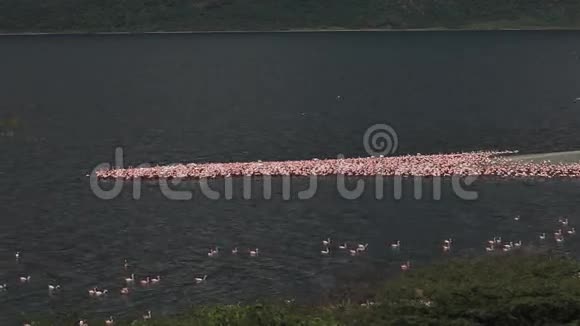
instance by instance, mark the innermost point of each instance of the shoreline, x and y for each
(292, 30)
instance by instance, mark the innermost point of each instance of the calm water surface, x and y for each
(242, 97)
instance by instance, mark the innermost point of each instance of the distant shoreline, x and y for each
(306, 30)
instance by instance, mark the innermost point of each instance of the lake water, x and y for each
(242, 97)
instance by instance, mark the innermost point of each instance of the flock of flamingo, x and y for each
(477, 163)
(129, 281)
(490, 163)
(496, 244)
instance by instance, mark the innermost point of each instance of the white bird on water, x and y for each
(24, 279)
(200, 279)
(543, 236)
(326, 251)
(53, 287)
(362, 247)
(213, 252)
(396, 245)
(130, 279)
(148, 315)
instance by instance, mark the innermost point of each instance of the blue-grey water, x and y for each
(66, 103)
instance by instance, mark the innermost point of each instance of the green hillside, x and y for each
(202, 15)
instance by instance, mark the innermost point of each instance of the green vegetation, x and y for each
(494, 290)
(203, 15)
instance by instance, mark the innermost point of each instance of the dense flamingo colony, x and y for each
(485, 163)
